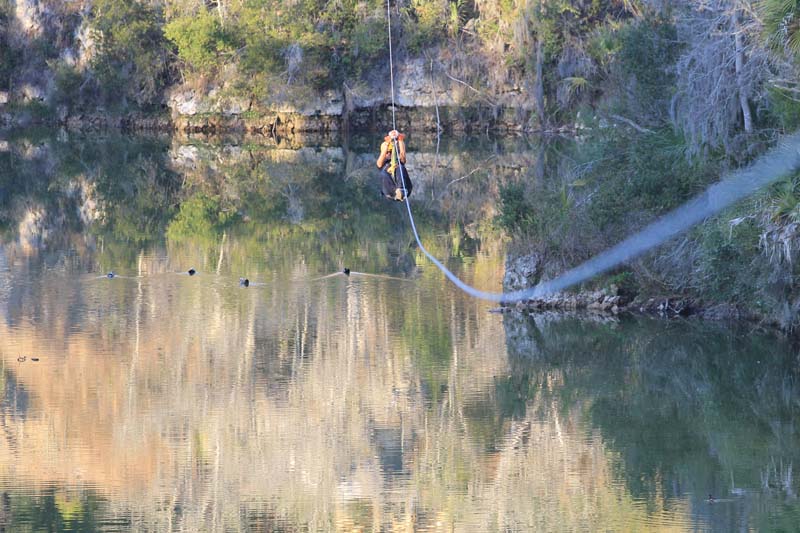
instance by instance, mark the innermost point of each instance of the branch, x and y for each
(471, 173)
(631, 123)
(467, 85)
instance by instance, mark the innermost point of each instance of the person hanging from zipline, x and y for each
(392, 162)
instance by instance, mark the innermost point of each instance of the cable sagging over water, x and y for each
(772, 166)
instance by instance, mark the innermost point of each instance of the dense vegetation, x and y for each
(716, 71)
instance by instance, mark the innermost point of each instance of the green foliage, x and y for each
(68, 85)
(132, 54)
(624, 281)
(604, 45)
(646, 51)
(644, 173)
(730, 263)
(366, 46)
(201, 40)
(782, 24)
(309, 43)
(423, 23)
(784, 107)
(516, 214)
(9, 58)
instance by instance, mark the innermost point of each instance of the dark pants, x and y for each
(390, 184)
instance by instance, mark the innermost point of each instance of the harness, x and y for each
(393, 163)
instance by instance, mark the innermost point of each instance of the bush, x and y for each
(9, 59)
(644, 173)
(730, 267)
(423, 24)
(200, 39)
(516, 215)
(68, 84)
(645, 52)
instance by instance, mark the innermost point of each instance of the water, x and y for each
(167, 402)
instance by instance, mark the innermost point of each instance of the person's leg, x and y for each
(387, 184)
(406, 180)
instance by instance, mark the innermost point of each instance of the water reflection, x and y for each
(689, 410)
(168, 402)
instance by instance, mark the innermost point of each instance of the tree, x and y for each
(722, 72)
(200, 39)
(132, 59)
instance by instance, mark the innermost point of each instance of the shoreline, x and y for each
(497, 120)
(612, 303)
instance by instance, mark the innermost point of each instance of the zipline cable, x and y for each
(391, 62)
(779, 162)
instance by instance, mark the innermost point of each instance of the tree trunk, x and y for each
(538, 91)
(221, 11)
(740, 81)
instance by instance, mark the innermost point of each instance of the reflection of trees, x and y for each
(187, 404)
(128, 192)
(121, 187)
(690, 409)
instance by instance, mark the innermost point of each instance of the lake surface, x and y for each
(159, 401)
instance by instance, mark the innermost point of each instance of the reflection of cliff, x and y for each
(458, 181)
(57, 188)
(133, 189)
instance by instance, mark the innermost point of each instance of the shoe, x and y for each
(398, 195)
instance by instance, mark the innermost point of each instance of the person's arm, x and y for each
(384, 154)
(401, 148)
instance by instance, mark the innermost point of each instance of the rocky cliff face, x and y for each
(52, 39)
(426, 98)
(36, 24)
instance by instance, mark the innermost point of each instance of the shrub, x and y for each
(200, 39)
(645, 52)
(516, 214)
(423, 24)
(644, 173)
